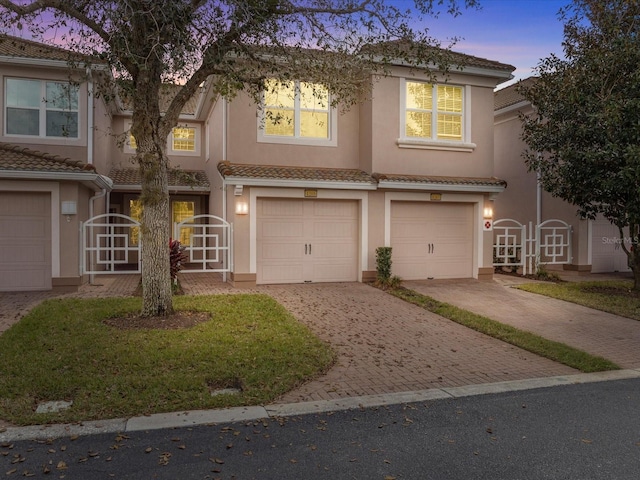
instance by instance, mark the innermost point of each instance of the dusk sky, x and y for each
(517, 32)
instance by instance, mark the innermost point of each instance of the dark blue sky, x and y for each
(517, 32)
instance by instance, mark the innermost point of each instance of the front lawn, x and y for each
(615, 296)
(65, 350)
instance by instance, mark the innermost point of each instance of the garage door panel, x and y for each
(334, 230)
(281, 208)
(24, 279)
(37, 255)
(432, 240)
(330, 271)
(25, 241)
(282, 251)
(307, 240)
(281, 273)
(283, 231)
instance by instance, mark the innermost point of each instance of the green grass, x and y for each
(608, 296)
(556, 351)
(62, 350)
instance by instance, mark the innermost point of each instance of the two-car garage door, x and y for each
(304, 240)
(25, 241)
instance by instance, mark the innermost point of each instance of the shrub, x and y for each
(177, 257)
(384, 279)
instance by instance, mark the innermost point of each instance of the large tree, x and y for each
(234, 44)
(584, 137)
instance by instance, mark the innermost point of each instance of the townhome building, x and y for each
(595, 245)
(307, 191)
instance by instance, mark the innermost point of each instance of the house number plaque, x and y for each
(311, 193)
(436, 197)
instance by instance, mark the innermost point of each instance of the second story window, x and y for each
(297, 112)
(433, 111)
(41, 108)
(183, 139)
(434, 117)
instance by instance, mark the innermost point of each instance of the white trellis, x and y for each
(515, 245)
(207, 241)
(109, 243)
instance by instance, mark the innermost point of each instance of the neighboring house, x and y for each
(311, 191)
(596, 244)
(48, 177)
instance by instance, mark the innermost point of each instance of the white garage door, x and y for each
(25, 241)
(606, 253)
(432, 240)
(306, 241)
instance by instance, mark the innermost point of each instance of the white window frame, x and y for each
(197, 138)
(127, 148)
(463, 145)
(42, 110)
(331, 141)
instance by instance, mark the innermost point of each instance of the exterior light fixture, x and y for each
(488, 212)
(242, 208)
(69, 208)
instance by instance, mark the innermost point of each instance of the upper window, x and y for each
(183, 140)
(41, 108)
(297, 112)
(434, 116)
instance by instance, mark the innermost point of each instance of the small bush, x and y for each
(177, 257)
(384, 279)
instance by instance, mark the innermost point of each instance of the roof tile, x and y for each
(433, 179)
(18, 47)
(16, 158)
(275, 172)
(126, 177)
(510, 95)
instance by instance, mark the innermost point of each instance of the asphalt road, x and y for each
(587, 431)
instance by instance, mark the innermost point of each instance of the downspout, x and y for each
(538, 199)
(538, 215)
(89, 118)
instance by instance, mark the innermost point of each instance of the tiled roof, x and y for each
(184, 179)
(274, 172)
(271, 172)
(167, 92)
(508, 96)
(17, 158)
(432, 179)
(17, 47)
(454, 58)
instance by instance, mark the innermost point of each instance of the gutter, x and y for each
(441, 187)
(92, 180)
(270, 182)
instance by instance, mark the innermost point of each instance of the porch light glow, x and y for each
(488, 212)
(242, 208)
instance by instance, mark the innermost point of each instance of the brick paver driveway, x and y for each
(386, 345)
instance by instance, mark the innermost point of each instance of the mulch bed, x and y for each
(180, 319)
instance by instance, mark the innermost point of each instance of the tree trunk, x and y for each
(634, 263)
(156, 277)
